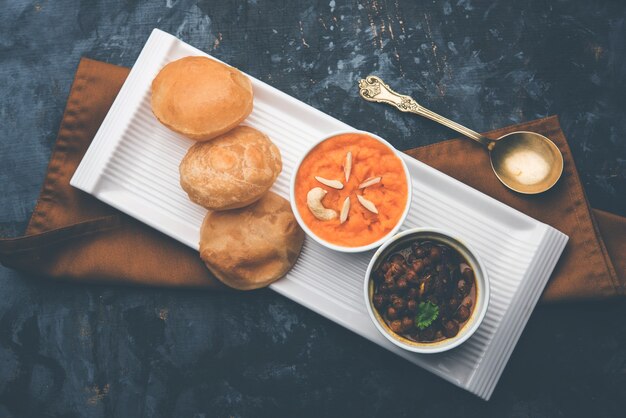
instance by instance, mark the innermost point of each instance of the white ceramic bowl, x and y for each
(341, 248)
(480, 275)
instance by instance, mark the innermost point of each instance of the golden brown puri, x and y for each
(231, 171)
(201, 98)
(254, 246)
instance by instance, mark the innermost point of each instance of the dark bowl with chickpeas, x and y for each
(426, 291)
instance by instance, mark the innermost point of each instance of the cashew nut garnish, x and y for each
(369, 182)
(316, 195)
(347, 166)
(343, 216)
(335, 184)
(314, 202)
(367, 204)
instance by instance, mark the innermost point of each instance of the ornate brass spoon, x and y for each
(525, 162)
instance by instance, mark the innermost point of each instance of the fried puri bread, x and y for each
(254, 246)
(201, 98)
(231, 171)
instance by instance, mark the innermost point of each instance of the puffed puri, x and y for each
(254, 246)
(231, 171)
(201, 98)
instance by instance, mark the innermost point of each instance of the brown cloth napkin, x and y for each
(73, 236)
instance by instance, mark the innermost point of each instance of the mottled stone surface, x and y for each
(87, 351)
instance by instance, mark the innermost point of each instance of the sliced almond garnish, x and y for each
(343, 216)
(369, 182)
(367, 204)
(347, 166)
(335, 184)
(314, 202)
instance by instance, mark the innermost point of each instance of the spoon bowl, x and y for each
(526, 162)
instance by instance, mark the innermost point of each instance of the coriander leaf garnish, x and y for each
(427, 312)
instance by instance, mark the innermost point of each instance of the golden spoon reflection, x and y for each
(525, 162)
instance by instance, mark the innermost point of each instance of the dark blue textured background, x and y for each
(88, 351)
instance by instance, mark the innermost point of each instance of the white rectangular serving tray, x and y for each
(132, 164)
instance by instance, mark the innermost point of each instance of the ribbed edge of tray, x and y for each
(118, 119)
(513, 323)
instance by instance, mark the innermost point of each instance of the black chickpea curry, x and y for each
(425, 292)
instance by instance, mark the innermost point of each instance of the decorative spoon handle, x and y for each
(373, 89)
